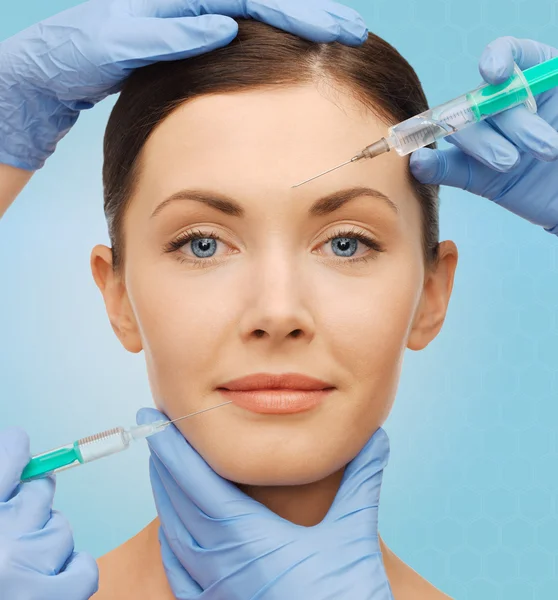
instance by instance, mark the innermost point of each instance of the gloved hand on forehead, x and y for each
(509, 158)
(69, 62)
(217, 542)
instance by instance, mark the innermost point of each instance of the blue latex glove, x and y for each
(37, 558)
(217, 542)
(507, 158)
(71, 61)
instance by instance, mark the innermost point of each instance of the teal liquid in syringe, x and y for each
(95, 446)
(485, 101)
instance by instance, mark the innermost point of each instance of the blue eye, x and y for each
(205, 246)
(346, 242)
(346, 245)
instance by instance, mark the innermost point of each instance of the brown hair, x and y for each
(260, 56)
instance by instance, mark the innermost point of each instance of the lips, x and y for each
(276, 394)
(271, 381)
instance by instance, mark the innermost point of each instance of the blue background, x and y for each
(470, 497)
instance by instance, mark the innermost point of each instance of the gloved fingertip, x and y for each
(553, 230)
(147, 415)
(493, 69)
(547, 153)
(506, 162)
(547, 147)
(223, 24)
(425, 165)
(365, 35)
(220, 27)
(15, 436)
(353, 31)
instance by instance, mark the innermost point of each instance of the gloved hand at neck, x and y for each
(217, 542)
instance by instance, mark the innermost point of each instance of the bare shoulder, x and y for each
(113, 567)
(405, 582)
(105, 565)
(134, 570)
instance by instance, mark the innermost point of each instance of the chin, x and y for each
(273, 468)
(273, 475)
(279, 450)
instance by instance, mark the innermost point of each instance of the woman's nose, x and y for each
(278, 304)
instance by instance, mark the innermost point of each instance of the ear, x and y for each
(436, 293)
(113, 289)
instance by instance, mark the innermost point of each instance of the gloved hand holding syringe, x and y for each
(95, 446)
(467, 109)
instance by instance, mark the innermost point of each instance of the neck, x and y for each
(305, 505)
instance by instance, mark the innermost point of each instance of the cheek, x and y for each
(182, 323)
(371, 316)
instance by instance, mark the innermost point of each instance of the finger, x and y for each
(528, 132)
(80, 576)
(198, 539)
(496, 61)
(320, 21)
(456, 169)
(172, 518)
(178, 537)
(198, 481)
(182, 584)
(362, 479)
(151, 40)
(14, 456)
(487, 146)
(30, 509)
(317, 21)
(47, 550)
(177, 511)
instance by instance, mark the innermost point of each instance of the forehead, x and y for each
(268, 139)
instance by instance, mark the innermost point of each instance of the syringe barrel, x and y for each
(103, 444)
(488, 100)
(452, 116)
(431, 125)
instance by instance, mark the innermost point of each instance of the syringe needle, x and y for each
(371, 151)
(197, 413)
(324, 173)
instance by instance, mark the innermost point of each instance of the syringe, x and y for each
(95, 446)
(485, 101)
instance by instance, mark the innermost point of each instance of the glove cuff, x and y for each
(31, 121)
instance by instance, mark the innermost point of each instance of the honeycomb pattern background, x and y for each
(470, 497)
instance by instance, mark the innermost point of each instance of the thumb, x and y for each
(188, 473)
(147, 415)
(454, 168)
(80, 575)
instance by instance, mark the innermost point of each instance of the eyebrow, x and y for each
(323, 206)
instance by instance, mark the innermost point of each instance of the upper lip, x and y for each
(269, 381)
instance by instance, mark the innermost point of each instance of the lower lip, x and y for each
(282, 401)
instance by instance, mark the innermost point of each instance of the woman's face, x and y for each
(271, 294)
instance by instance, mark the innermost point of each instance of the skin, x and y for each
(274, 297)
(12, 181)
